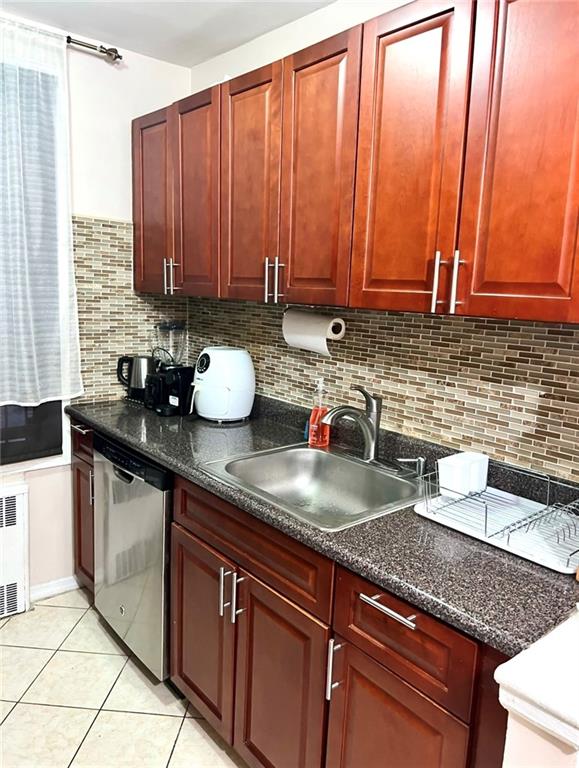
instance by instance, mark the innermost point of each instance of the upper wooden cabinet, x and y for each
(320, 114)
(250, 168)
(413, 102)
(518, 229)
(194, 142)
(425, 163)
(152, 202)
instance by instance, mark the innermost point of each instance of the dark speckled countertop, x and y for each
(491, 595)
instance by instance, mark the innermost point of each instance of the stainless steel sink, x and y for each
(328, 489)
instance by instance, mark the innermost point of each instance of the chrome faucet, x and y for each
(368, 420)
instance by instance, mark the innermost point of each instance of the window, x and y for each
(30, 432)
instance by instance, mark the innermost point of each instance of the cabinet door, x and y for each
(320, 117)
(202, 640)
(82, 495)
(194, 135)
(518, 229)
(152, 202)
(280, 680)
(379, 721)
(250, 170)
(415, 67)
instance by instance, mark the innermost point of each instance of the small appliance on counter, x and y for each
(224, 385)
(167, 389)
(132, 372)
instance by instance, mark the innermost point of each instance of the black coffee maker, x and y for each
(166, 390)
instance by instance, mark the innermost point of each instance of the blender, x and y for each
(166, 391)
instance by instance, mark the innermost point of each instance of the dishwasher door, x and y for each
(131, 536)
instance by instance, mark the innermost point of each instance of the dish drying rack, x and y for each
(543, 529)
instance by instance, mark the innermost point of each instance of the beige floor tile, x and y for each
(74, 598)
(91, 634)
(41, 627)
(42, 737)
(198, 746)
(5, 709)
(192, 712)
(73, 679)
(18, 668)
(137, 691)
(126, 740)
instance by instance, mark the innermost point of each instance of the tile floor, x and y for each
(71, 696)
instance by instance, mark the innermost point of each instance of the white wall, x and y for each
(104, 98)
(290, 38)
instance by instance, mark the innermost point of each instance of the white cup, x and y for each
(463, 473)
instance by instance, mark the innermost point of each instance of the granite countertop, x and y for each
(489, 594)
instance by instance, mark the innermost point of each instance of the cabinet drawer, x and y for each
(291, 568)
(81, 439)
(432, 657)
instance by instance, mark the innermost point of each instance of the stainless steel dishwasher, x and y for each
(131, 533)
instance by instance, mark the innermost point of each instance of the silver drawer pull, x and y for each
(276, 292)
(457, 261)
(408, 621)
(91, 487)
(435, 280)
(165, 276)
(332, 647)
(235, 580)
(82, 431)
(223, 605)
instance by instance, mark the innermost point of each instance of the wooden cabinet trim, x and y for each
(218, 712)
(250, 216)
(82, 444)
(292, 684)
(196, 252)
(295, 570)
(321, 233)
(375, 712)
(82, 483)
(434, 658)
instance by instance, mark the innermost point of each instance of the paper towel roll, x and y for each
(306, 330)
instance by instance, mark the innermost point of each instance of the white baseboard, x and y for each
(51, 588)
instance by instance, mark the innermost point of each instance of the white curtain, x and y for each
(39, 345)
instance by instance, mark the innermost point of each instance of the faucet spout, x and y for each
(367, 426)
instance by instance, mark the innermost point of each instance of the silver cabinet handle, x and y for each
(435, 280)
(91, 487)
(82, 431)
(457, 261)
(266, 292)
(332, 648)
(276, 268)
(165, 276)
(235, 580)
(223, 605)
(408, 621)
(172, 276)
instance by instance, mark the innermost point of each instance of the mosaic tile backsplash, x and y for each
(508, 388)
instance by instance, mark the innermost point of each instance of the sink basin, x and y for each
(327, 489)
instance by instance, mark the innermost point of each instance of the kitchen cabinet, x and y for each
(194, 143)
(152, 202)
(202, 636)
(377, 720)
(517, 250)
(81, 438)
(413, 102)
(250, 172)
(280, 680)
(320, 115)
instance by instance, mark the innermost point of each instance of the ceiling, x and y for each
(183, 32)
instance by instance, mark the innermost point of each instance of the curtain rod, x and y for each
(110, 53)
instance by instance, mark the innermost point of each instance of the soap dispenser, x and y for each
(319, 434)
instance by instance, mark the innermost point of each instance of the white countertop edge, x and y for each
(539, 717)
(541, 684)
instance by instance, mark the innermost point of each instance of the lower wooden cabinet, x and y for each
(379, 721)
(280, 680)
(202, 635)
(82, 495)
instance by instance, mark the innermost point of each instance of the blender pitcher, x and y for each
(169, 342)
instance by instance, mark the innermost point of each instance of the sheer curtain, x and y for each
(39, 344)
